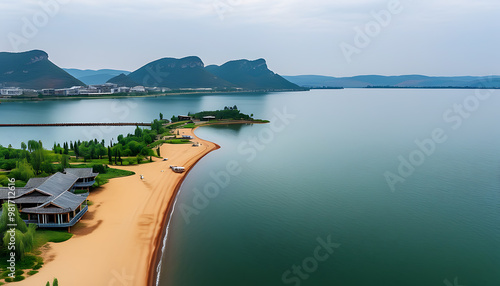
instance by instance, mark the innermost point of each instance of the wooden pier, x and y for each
(74, 124)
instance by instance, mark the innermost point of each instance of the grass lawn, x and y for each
(177, 124)
(42, 236)
(178, 141)
(90, 161)
(111, 173)
(189, 125)
(115, 173)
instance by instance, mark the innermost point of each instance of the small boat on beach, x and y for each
(177, 169)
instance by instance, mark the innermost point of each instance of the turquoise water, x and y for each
(276, 194)
(323, 177)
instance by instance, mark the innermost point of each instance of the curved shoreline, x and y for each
(120, 239)
(158, 251)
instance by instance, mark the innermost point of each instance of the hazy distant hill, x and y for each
(95, 76)
(187, 72)
(394, 81)
(33, 70)
(123, 80)
(250, 75)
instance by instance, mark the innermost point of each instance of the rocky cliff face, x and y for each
(38, 56)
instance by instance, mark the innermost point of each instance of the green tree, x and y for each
(138, 132)
(147, 138)
(77, 154)
(32, 145)
(23, 146)
(23, 235)
(47, 167)
(66, 148)
(18, 240)
(110, 157)
(84, 151)
(23, 171)
(119, 156)
(55, 282)
(36, 159)
(161, 116)
(28, 237)
(65, 161)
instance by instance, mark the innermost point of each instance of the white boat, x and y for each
(178, 169)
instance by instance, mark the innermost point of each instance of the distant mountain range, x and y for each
(316, 81)
(33, 70)
(90, 77)
(190, 72)
(173, 73)
(250, 75)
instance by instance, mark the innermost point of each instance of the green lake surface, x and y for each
(306, 199)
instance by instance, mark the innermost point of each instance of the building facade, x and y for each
(51, 202)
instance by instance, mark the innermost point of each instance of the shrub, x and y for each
(99, 168)
(18, 278)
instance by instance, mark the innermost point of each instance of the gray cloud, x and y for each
(296, 37)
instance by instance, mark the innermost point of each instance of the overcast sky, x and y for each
(325, 37)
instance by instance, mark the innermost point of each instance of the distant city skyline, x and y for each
(321, 37)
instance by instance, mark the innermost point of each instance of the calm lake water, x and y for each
(306, 200)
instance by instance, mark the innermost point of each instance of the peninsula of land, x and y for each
(119, 239)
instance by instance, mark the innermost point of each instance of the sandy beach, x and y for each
(116, 241)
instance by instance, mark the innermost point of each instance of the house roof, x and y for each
(81, 172)
(52, 193)
(35, 182)
(48, 210)
(31, 200)
(64, 203)
(68, 200)
(58, 183)
(19, 192)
